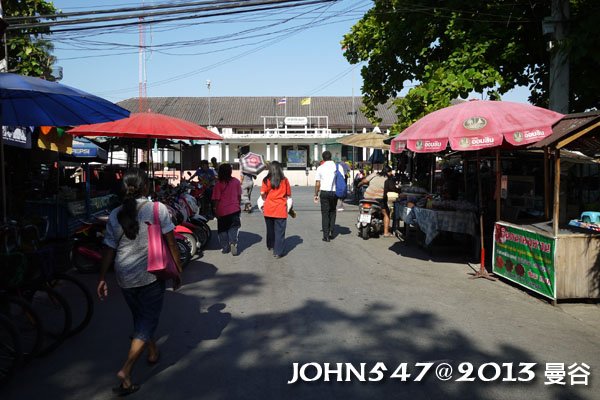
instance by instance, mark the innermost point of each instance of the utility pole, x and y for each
(208, 86)
(556, 27)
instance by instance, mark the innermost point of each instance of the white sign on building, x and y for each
(296, 120)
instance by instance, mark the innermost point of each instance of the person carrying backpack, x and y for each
(330, 184)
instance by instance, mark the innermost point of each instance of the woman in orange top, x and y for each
(275, 191)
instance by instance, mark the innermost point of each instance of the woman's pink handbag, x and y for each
(160, 260)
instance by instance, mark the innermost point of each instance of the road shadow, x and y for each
(181, 332)
(292, 242)
(197, 271)
(341, 230)
(247, 240)
(440, 250)
(215, 355)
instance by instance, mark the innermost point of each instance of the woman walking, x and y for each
(127, 246)
(275, 191)
(226, 197)
(247, 186)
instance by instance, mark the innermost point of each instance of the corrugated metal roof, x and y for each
(241, 112)
(571, 124)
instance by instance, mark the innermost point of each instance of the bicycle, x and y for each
(44, 259)
(38, 310)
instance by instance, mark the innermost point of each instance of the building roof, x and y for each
(575, 132)
(244, 112)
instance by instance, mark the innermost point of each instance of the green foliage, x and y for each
(455, 47)
(29, 52)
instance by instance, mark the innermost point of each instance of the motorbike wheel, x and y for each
(190, 240)
(364, 232)
(208, 234)
(184, 251)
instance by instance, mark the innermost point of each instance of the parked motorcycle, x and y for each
(86, 253)
(370, 219)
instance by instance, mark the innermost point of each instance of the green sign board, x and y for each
(525, 257)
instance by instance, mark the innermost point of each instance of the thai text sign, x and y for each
(525, 257)
(296, 120)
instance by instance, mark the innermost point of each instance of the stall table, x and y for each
(432, 222)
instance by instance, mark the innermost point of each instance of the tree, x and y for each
(29, 53)
(454, 47)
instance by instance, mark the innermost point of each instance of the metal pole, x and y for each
(208, 86)
(3, 68)
(482, 273)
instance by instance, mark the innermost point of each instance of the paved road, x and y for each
(239, 323)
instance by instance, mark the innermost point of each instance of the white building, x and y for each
(292, 130)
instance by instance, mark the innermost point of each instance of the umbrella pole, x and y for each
(3, 175)
(482, 273)
(57, 193)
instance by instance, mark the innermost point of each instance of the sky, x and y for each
(280, 53)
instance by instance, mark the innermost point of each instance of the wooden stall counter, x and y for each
(565, 266)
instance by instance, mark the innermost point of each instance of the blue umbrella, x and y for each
(32, 101)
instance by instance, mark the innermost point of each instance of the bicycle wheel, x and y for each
(26, 321)
(10, 349)
(79, 298)
(55, 314)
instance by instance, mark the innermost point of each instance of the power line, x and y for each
(230, 5)
(116, 10)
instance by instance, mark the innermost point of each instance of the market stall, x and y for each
(554, 258)
(475, 126)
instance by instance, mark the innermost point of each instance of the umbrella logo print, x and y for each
(419, 144)
(518, 136)
(475, 123)
(254, 161)
(464, 142)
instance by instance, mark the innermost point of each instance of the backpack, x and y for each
(341, 188)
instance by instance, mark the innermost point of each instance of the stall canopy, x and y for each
(575, 132)
(476, 125)
(372, 140)
(148, 126)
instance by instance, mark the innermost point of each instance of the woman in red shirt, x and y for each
(275, 191)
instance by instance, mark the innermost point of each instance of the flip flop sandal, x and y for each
(122, 391)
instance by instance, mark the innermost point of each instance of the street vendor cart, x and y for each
(555, 259)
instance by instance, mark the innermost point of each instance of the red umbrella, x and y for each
(252, 163)
(148, 125)
(476, 125)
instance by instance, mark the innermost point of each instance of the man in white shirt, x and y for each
(325, 193)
